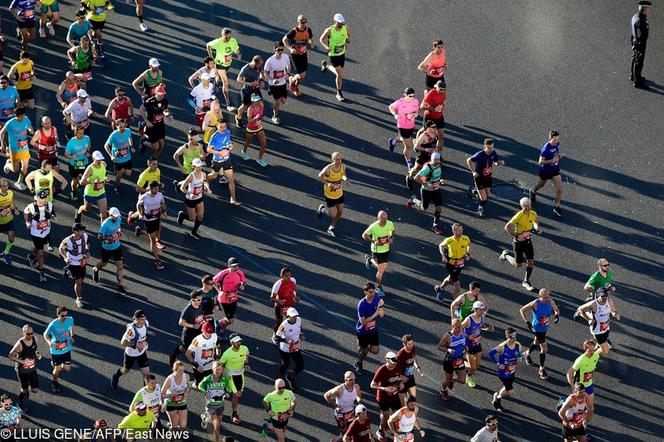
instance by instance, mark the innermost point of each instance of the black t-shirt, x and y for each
(192, 315)
(155, 109)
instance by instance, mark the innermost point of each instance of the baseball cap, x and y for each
(114, 212)
(205, 76)
(236, 338)
(153, 63)
(97, 155)
(194, 133)
(409, 91)
(256, 97)
(139, 314)
(645, 4)
(478, 304)
(78, 227)
(81, 93)
(291, 312)
(197, 162)
(160, 89)
(602, 291)
(233, 262)
(440, 84)
(42, 194)
(391, 356)
(435, 156)
(360, 409)
(339, 18)
(208, 328)
(100, 423)
(141, 406)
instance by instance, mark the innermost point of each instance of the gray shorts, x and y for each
(215, 410)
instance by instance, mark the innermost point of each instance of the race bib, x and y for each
(475, 340)
(154, 213)
(405, 437)
(294, 346)
(177, 398)
(157, 118)
(7, 112)
(457, 363)
(99, 185)
(29, 13)
(83, 262)
(79, 164)
(60, 345)
(206, 104)
(283, 417)
(300, 48)
(22, 143)
(84, 124)
(603, 326)
(277, 74)
(335, 187)
(98, 10)
(87, 75)
(526, 235)
(198, 190)
(587, 377)
(207, 353)
(510, 368)
(370, 325)
(544, 320)
(283, 309)
(228, 58)
(43, 225)
(47, 148)
(111, 238)
(409, 371)
(339, 48)
(486, 171)
(382, 240)
(122, 152)
(457, 262)
(230, 296)
(348, 417)
(28, 363)
(25, 76)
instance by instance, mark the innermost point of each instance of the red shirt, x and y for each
(359, 432)
(285, 291)
(385, 377)
(433, 98)
(121, 110)
(406, 362)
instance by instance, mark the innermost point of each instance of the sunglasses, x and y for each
(29, 334)
(8, 404)
(303, 21)
(196, 300)
(411, 96)
(279, 50)
(63, 316)
(281, 388)
(606, 265)
(4, 82)
(511, 337)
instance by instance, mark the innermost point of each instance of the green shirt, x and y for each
(224, 50)
(337, 41)
(215, 392)
(234, 360)
(96, 181)
(597, 280)
(585, 366)
(380, 235)
(279, 403)
(432, 174)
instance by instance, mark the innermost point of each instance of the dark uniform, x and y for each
(639, 38)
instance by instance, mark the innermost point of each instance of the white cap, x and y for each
(478, 304)
(435, 156)
(291, 312)
(141, 406)
(360, 409)
(205, 76)
(153, 63)
(339, 18)
(391, 355)
(81, 93)
(197, 162)
(114, 212)
(235, 339)
(97, 155)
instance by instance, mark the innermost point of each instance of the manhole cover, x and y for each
(512, 190)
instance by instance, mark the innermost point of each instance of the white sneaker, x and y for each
(20, 186)
(143, 27)
(204, 420)
(276, 120)
(42, 32)
(79, 302)
(51, 29)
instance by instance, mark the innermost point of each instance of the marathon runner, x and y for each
(407, 365)
(289, 337)
(149, 175)
(119, 147)
(405, 110)
(359, 429)
(151, 208)
(59, 336)
(175, 392)
(251, 79)
(549, 169)
(42, 179)
(209, 68)
(202, 352)
(434, 65)
(149, 395)
(277, 73)
(539, 324)
(433, 104)
(481, 166)
(462, 306)
(209, 295)
(14, 139)
(24, 72)
(283, 295)
(255, 115)
(120, 107)
(369, 308)
(137, 421)
(210, 120)
(7, 212)
(216, 388)
(81, 58)
(75, 251)
(521, 227)
(191, 321)
(25, 13)
(506, 356)
(453, 344)
(335, 40)
(67, 90)
(201, 98)
(402, 422)
(135, 342)
(97, 17)
(220, 147)
(50, 14)
(582, 371)
(193, 187)
(474, 324)
(228, 282)
(236, 362)
(380, 234)
(598, 313)
(10, 416)
(139, 13)
(38, 219)
(110, 233)
(575, 414)
(426, 142)
(455, 251)
(333, 176)
(154, 111)
(79, 27)
(430, 178)
(191, 150)
(94, 179)
(387, 383)
(223, 49)
(25, 354)
(45, 141)
(9, 100)
(280, 405)
(603, 277)
(77, 113)
(489, 432)
(298, 40)
(77, 151)
(344, 398)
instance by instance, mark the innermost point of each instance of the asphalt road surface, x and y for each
(516, 70)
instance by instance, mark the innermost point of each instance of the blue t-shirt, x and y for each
(510, 359)
(7, 102)
(364, 310)
(75, 148)
(110, 231)
(219, 142)
(76, 31)
(24, 8)
(17, 134)
(120, 145)
(484, 162)
(60, 333)
(548, 152)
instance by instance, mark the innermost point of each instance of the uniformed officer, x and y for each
(639, 39)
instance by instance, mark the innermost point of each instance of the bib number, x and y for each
(486, 171)
(157, 118)
(544, 320)
(294, 346)
(177, 398)
(339, 48)
(510, 368)
(99, 185)
(22, 143)
(29, 13)
(7, 112)
(60, 345)
(87, 75)
(230, 296)
(370, 325)
(457, 363)
(283, 417)
(475, 340)
(603, 326)
(29, 363)
(43, 225)
(198, 190)
(99, 10)
(382, 240)
(47, 149)
(207, 353)
(587, 377)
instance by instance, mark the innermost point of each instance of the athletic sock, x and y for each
(542, 359)
(8, 246)
(140, 19)
(529, 271)
(482, 203)
(197, 224)
(436, 218)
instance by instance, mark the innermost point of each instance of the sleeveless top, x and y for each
(575, 413)
(69, 94)
(436, 64)
(474, 332)
(150, 83)
(457, 343)
(334, 178)
(406, 423)
(96, 181)
(46, 145)
(175, 392)
(346, 402)
(542, 316)
(509, 359)
(44, 181)
(195, 188)
(120, 110)
(467, 307)
(188, 156)
(256, 125)
(28, 352)
(602, 318)
(212, 126)
(337, 41)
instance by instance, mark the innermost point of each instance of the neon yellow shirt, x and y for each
(146, 177)
(234, 360)
(224, 50)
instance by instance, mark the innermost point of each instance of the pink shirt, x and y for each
(229, 284)
(407, 111)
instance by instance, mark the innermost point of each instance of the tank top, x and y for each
(509, 359)
(76, 250)
(346, 403)
(467, 307)
(212, 126)
(337, 41)
(69, 94)
(150, 83)
(120, 110)
(575, 413)
(28, 352)
(291, 332)
(96, 181)
(431, 144)
(46, 146)
(44, 181)
(6, 200)
(300, 40)
(335, 178)
(436, 63)
(542, 316)
(257, 124)
(23, 76)
(457, 343)
(474, 332)
(602, 318)
(196, 187)
(175, 392)
(188, 156)
(406, 423)
(83, 60)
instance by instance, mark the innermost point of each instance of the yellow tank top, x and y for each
(97, 181)
(212, 127)
(44, 182)
(24, 74)
(6, 214)
(334, 178)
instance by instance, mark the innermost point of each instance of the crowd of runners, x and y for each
(210, 357)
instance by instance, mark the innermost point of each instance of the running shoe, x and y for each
(273, 339)
(159, 265)
(79, 302)
(6, 258)
(42, 277)
(261, 162)
(439, 292)
(367, 261)
(276, 120)
(503, 255)
(32, 260)
(332, 232)
(238, 123)
(293, 86)
(297, 92)
(437, 230)
(95, 275)
(291, 381)
(323, 64)
(42, 32)
(320, 211)
(245, 155)
(532, 196)
(497, 403)
(391, 144)
(409, 182)
(195, 235)
(529, 360)
(49, 248)
(340, 96)
(72, 195)
(116, 189)
(138, 231)
(204, 421)
(480, 212)
(115, 380)
(558, 211)
(175, 186)
(543, 374)
(526, 285)
(55, 387)
(470, 382)
(20, 186)
(359, 370)
(143, 27)
(380, 292)
(181, 217)
(77, 217)
(444, 394)
(122, 290)
(223, 179)
(160, 245)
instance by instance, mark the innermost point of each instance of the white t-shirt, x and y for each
(202, 95)
(151, 205)
(484, 435)
(142, 337)
(290, 332)
(42, 227)
(77, 111)
(203, 350)
(277, 70)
